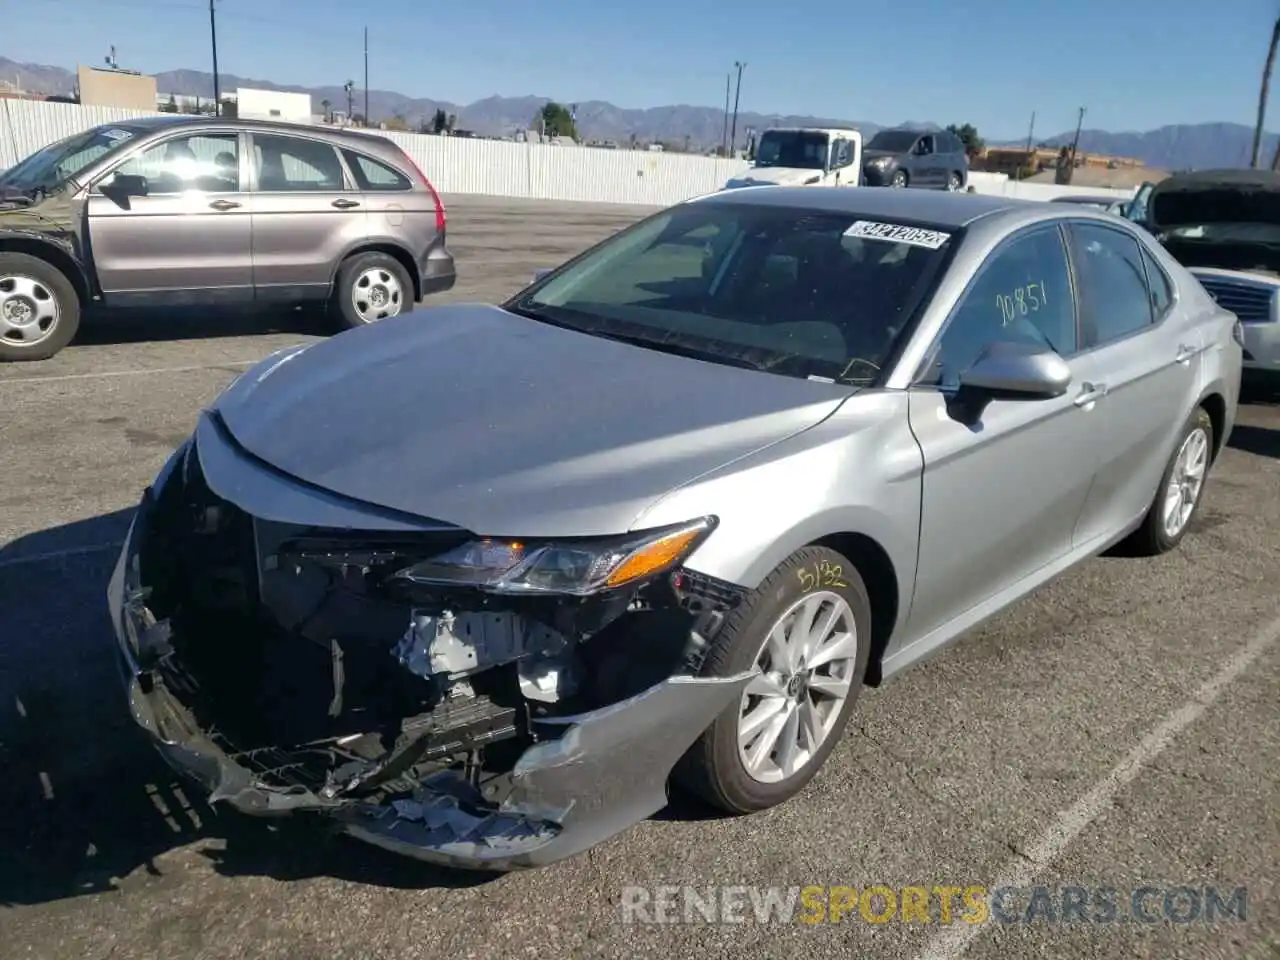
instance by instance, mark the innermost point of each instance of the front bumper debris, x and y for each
(589, 776)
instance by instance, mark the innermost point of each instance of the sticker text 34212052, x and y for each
(1021, 301)
(821, 574)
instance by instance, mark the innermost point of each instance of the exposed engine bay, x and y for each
(313, 672)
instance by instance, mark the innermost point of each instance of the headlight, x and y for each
(880, 162)
(577, 568)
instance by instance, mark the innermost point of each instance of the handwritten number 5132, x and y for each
(822, 573)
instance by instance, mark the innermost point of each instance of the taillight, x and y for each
(441, 219)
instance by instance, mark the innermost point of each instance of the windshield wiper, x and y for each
(672, 343)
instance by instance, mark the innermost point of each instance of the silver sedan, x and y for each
(478, 582)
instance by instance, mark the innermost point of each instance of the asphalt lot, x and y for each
(1117, 730)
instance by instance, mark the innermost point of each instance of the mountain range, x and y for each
(1183, 146)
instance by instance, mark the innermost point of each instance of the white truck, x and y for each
(804, 156)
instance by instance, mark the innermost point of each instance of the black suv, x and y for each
(912, 158)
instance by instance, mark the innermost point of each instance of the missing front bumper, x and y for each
(589, 776)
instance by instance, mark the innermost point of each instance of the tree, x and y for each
(439, 122)
(397, 122)
(554, 120)
(451, 122)
(230, 109)
(171, 106)
(968, 134)
(327, 108)
(1263, 93)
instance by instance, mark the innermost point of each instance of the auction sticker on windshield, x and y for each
(898, 233)
(117, 136)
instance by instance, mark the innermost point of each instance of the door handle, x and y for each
(1089, 393)
(345, 204)
(224, 205)
(1184, 354)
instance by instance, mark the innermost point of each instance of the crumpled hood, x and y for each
(508, 426)
(781, 176)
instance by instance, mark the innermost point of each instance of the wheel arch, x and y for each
(1215, 404)
(878, 573)
(392, 249)
(53, 254)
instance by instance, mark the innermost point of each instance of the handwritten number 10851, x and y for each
(1024, 300)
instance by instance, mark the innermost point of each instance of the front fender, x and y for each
(860, 472)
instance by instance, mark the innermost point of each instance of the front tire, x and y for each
(808, 628)
(39, 308)
(370, 287)
(1180, 492)
(900, 179)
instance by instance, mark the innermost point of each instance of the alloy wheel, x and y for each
(1186, 481)
(807, 665)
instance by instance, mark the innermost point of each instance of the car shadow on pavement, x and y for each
(89, 806)
(1260, 441)
(155, 324)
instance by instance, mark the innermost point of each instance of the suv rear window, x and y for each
(373, 174)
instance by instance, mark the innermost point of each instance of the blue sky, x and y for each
(1134, 64)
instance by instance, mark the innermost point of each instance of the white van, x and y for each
(804, 156)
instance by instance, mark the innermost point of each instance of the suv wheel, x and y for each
(371, 287)
(900, 179)
(807, 628)
(39, 308)
(953, 182)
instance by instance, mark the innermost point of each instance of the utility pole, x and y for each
(349, 86)
(366, 74)
(213, 37)
(733, 130)
(1074, 144)
(1031, 132)
(724, 134)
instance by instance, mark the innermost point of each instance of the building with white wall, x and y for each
(273, 105)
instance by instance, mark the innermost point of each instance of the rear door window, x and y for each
(295, 164)
(1115, 300)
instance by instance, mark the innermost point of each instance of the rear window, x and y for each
(373, 174)
(803, 293)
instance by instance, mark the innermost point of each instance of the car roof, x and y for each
(953, 210)
(166, 121)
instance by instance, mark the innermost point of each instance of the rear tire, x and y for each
(370, 287)
(732, 767)
(1170, 514)
(39, 308)
(954, 182)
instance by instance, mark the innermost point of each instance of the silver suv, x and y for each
(190, 211)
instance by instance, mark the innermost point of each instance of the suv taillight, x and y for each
(441, 219)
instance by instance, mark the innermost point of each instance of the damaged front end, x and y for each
(473, 703)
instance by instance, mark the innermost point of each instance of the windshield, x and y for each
(53, 165)
(894, 141)
(793, 292)
(802, 149)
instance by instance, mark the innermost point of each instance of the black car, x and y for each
(912, 158)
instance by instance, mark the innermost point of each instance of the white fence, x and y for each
(494, 167)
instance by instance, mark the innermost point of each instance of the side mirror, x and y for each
(1016, 371)
(127, 185)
